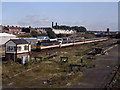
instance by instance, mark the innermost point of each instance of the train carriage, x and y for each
(59, 43)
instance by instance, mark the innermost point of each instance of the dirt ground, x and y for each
(99, 76)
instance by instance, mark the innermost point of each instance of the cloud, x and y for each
(74, 23)
(34, 20)
(103, 26)
(78, 23)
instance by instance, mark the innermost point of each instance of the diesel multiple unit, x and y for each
(63, 43)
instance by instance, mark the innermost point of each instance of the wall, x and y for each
(59, 31)
(22, 48)
(10, 43)
(4, 39)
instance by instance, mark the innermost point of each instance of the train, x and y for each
(45, 44)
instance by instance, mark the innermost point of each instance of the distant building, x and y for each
(60, 31)
(43, 30)
(56, 31)
(12, 29)
(16, 48)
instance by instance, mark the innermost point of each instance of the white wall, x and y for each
(22, 48)
(59, 31)
(11, 43)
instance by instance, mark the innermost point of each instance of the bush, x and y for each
(51, 34)
(60, 35)
(19, 60)
(34, 33)
(28, 35)
(26, 64)
(43, 34)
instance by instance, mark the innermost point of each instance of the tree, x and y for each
(42, 34)
(51, 34)
(60, 35)
(79, 29)
(34, 33)
(27, 30)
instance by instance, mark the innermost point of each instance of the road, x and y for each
(99, 76)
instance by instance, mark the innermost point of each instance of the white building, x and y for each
(60, 31)
(16, 48)
(4, 37)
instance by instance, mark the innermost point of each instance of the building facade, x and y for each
(60, 31)
(16, 48)
(12, 29)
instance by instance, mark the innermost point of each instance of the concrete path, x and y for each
(100, 75)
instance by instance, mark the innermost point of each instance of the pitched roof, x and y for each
(19, 41)
(14, 27)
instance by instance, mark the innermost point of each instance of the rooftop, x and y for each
(14, 27)
(19, 41)
(6, 34)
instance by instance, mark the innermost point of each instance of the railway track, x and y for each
(113, 80)
(35, 52)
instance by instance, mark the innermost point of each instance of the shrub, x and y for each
(19, 60)
(51, 34)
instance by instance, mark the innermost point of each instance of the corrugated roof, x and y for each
(19, 41)
(6, 34)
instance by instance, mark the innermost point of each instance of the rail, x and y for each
(110, 84)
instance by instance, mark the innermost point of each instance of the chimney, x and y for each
(52, 24)
(29, 27)
(108, 31)
(56, 24)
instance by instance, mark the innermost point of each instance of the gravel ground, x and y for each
(99, 76)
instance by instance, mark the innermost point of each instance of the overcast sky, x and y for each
(92, 15)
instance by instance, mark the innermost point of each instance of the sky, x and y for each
(92, 15)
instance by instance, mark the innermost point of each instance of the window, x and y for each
(11, 48)
(25, 47)
(19, 48)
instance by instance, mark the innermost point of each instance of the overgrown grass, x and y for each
(55, 73)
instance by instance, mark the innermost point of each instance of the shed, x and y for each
(4, 37)
(16, 48)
